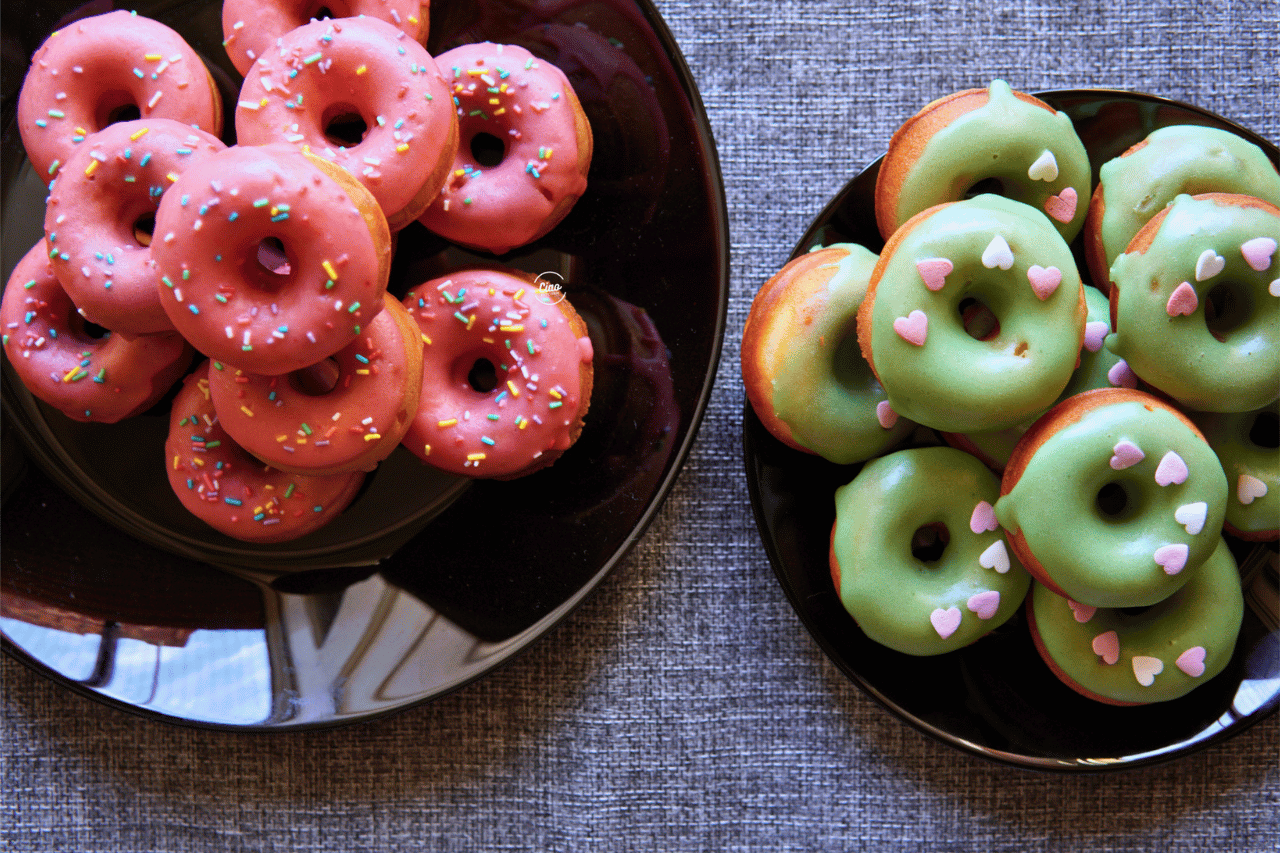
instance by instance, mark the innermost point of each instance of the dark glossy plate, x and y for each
(426, 582)
(996, 698)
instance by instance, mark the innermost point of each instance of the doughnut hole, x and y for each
(1228, 308)
(993, 186)
(929, 542)
(979, 321)
(114, 107)
(477, 371)
(849, 369)
(343, 125)
(487, 149)
(1119, 501)
(143, 227)
(1264, 432)
(270, 267)
(317, 380)
(483, 376)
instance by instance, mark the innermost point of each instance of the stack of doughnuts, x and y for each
(1098, 437)
(266, 262)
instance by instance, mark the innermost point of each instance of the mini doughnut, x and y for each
(225, 487)
(1246, 445)
(1195, 302)
(1172, 161)
(988, 251)
(1120, 657)
(100, 213)
(506, 378)
(362, 94)
(805, 377)
(890, 521)
(524, 152)
(86, 377)
(978, 138)
(350, 420)
(1113, 499)
(98, 70)
(269, 259)
(250, 27)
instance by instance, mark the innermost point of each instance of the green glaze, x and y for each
(1204, 614)
(953, 382)
(1181, 159)
(1178, 354)
(888, 591)
(1247, 463)
(1109, 560)
(824, 389)
(1001, 140)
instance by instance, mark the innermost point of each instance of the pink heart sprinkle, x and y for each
(913, 328)
(945, 622)
(1192, 661)
(1121, 375)
(1258, 251)
(985, 604)
(1172, 558)
(934, 272)
(1094, 333)
(1127, 454)
(1183, 301)
(1082, 612)
(1044, 280)
(1107, 647)
(886, 415)
(983, 518)
(1171, 470)
(1062, 206)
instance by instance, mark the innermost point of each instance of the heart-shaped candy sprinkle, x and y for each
(997, 254)
(1192, 661)
(934, 272)
(1146, 669)
(1209, 264)
(1121, 375)
(1171, 470)
(1257, 252)
(995, 557)
(1274, 288)
(1172, 558)
(1062, 206)
(1126, 455)
(945, 622)
(1045, 168)
(983, 518)
(1249, 488)
(1082, 612)
(1044, 280)
(1107, 647)
(1192, 516)
(985, 604)
(913, 328)
(1094, 333)
(886, 415)
(1183, 301)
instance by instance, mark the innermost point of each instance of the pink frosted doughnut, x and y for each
(524, 152)
(358, 92)
(251, 27)
(98, 70)
(221, 484)
(506, 374)
(87, 378)
(108, 188)
(215, 233)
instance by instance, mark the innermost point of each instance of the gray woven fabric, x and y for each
(683, 707)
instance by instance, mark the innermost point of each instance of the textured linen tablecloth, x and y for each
(684, 706)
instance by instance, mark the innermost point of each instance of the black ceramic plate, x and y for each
(996, 698)
(426, 582)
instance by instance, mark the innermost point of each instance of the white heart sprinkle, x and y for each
(1274, 288)
(995, 557)
(1209, 264)
(1145, 669)
(1249, 488)
(1045, 168)
(997, 254)
(1192, 516)
(1171, 470)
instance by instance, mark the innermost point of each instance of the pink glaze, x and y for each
(226, 301)
(218, 482)
(533, 411)
(92, 70)
(365, 70)
(354, 426)
(107, 187)
(87, 378)
(251, 27)
(504, 93)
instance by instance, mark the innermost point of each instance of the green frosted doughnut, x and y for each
(899, 600)
(1155, 655)
(1113, 499)
(1007, 257)
(1246, 445)
(1212, 250)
